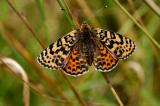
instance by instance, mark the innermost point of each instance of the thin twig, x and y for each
(88, 12)
(27, 24)
(31, 61)
(135, 21)
(36, 89)
(26, 55)
(135, 13)
(19, 71)
(74, 19)
(112, 89)
(153, 6)
(74, 90)
(129, 23)
(66, 13)
(43, 94)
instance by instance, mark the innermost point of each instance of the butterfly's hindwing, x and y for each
(77, 64)
(103, 60)
(117, 44)
(55, 56)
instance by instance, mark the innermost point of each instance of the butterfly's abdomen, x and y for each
(88, 48)
(89, 58)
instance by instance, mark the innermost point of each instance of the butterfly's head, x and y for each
(85, 27)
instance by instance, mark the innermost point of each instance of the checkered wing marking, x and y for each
(76, 65)
(103, 60)
(55, 56)
(119, 45)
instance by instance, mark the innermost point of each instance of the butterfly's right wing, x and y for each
(117, 44)
(56, 55)
(104, 61)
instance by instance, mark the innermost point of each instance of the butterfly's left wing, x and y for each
(117, 44)
(55, 56)
(77, 64)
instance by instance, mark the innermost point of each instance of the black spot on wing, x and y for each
(51, 49)
(59, 42)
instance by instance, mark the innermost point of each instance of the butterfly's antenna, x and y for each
(88, 12)
(71, 15)
(97, 12)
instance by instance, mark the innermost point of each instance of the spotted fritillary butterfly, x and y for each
(83, 47)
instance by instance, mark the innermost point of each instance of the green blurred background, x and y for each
(136, 80)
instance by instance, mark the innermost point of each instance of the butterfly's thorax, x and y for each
(87, 43)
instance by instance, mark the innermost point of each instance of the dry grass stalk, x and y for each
(138, 24)
(155, 8)
(18, 70)
(112, 89)
(31, 61)
(137, 68)
(15, 68)
(27, 24)
(88, 12)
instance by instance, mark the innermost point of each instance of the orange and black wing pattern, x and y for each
(55, 56)
(117, 44)
(104, 61)
(76, 65)
(80, 48)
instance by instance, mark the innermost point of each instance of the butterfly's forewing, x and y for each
(117, 44)
(76, 64)
(103, 60)
(55, 56)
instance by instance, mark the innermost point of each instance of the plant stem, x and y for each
(153, 6)
(81, 101)
(112, 89)
(141, 27)
(27, 24)
(66, 13)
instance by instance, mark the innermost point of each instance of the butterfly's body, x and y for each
(86, 46)
(86, 43)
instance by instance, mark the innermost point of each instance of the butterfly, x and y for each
(86, 46)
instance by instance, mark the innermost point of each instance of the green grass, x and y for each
(50, 20)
